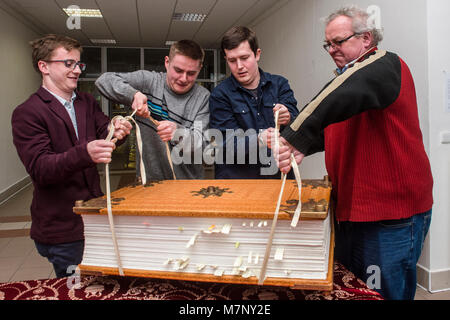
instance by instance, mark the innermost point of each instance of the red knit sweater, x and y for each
(368, 125)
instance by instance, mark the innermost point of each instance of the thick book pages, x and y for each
(213, 230)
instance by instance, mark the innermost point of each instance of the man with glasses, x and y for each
(366, 120)
(59, 135)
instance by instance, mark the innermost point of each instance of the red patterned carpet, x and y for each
(346, 287)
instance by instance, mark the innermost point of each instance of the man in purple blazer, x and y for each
(59, 135)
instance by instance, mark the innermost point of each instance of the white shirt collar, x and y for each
(62, 100)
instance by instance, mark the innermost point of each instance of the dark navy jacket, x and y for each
(233, 107)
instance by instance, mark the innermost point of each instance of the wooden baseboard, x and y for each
(433, 281)
(12, 190)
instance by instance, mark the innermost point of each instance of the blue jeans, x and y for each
(384, 254)
(62, 256)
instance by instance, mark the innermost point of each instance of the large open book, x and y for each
(213, 230)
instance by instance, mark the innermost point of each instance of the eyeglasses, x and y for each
(70, 63)
(337, 43)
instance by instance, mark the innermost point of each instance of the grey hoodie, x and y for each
(185, 110)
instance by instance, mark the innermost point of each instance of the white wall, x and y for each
(17, 82)
(290, 41)
(438, 12)
(291, 37)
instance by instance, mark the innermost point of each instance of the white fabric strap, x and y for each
(262, 274)
(298, 179)
(108, 185)
(169, 158)
(143, 178)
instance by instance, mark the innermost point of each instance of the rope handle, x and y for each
(296, 217)
(108, 184)
(169, 158)
(143, 177)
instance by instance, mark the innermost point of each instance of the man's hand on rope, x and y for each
(122, 128)
(284, 156)
(166, 130)
(284, 116)
(140, 105)
(100, 150)
(267, 137)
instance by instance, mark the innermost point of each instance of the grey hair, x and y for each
(360, 22)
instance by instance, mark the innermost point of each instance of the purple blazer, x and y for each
(58, 163)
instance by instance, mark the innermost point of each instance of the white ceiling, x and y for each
(140, 23)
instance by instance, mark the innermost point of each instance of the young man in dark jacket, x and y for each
(242, 107)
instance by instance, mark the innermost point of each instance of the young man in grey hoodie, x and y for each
(179, 105)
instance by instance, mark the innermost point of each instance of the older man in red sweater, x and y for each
(366, 120)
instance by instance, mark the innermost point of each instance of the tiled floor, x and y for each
(20, 261)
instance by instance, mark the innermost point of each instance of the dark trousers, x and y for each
(384, 254)
(64, 256)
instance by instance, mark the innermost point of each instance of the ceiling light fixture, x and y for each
(189, 17)
(88, 13)
(103, 41)
(170, 42)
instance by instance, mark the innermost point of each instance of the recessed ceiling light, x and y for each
(88, 13)
(103, 41)
(170, 42)
(190, 17)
